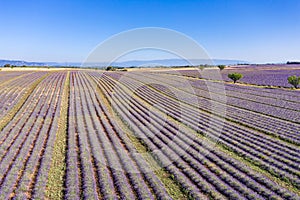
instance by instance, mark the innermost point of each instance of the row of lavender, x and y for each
(7, 75)
(242, 111)
(276, 97)
(180, 151)
(233, 135)
(256, 76)
(101, 161)
(12, 91)
(27, 142)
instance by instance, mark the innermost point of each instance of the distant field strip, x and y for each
(278, 93)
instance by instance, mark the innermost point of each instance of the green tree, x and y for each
(235, 76)
(110, 68)
(221, 67)
(201, 67)
(294, 80)
(6, 65)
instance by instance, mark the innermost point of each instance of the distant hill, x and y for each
(136, 63)
(20, 63)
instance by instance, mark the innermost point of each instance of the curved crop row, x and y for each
(107, 169)
(265, 106)
(270, 125)
(138, 117)
(282, 166)
(236, 92)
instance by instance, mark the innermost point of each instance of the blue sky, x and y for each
(68, 30)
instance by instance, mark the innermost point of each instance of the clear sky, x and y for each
(67, 30)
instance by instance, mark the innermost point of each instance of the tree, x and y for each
(201, 67)
(294, 80)
(235, 76)
(293, 62)
(110, 68)
(221, 67)
(7, 65)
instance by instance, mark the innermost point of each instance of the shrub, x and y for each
(221, 67)
(235, 76)
(294, 80)
(6, 65)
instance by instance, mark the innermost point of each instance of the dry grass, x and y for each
(55, 184)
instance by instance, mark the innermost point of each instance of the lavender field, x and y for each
(149, 134)
(259, 75)
(266, 75)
